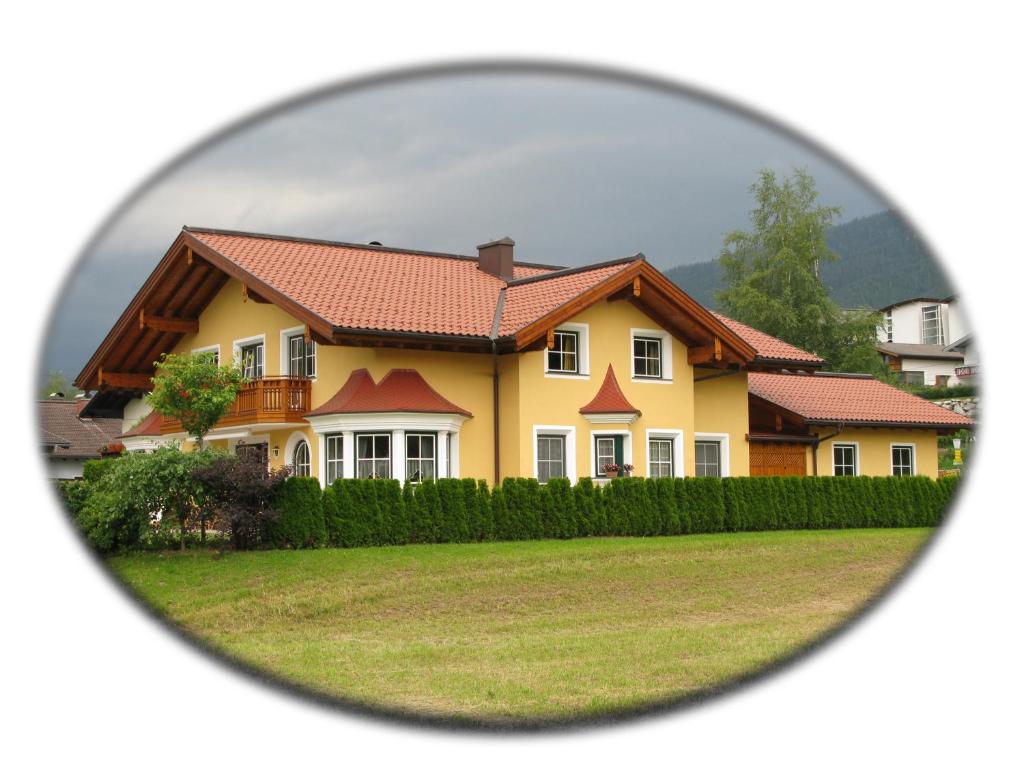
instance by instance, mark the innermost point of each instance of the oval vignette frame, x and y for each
(408, 74)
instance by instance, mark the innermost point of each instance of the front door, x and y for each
(608, 450)
(253, 451)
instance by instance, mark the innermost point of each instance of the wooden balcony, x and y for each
(270, 400)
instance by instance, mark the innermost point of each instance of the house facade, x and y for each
(916, 339)
(371, 361)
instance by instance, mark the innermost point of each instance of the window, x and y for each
(373, 455)
(646, 357)
(708, 455)
(251, 356)
(301, 356)
(300, 459)
(659, 458)
(902, 460)
(564, 357)
(888, 326)
(913, 377)
(844, 460)
(213, 351)
(941, 381)
(931, 325)
(335, 448)
(420, 457)
(550, 457)
(607, 450)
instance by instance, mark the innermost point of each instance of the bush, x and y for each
(300, 520)
(241, 493)
(94, 469)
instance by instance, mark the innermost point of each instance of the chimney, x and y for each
(81, 400)
(496, 258)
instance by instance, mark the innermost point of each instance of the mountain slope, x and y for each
(880, 262)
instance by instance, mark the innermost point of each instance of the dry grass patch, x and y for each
(524, 629)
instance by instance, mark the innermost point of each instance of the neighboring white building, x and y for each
(68, 439)
(917, 339)
(969, 372)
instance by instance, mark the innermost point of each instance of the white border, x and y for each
(283, 356)
(627, 448)
(570, 447)
(237, 344)
(723, 453)
(582, 355)
(209, 348)
(913, 456)
(856, 456)
(666, 355)
(289, 448)
(676, 436)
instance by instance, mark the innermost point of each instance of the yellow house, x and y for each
(364, 360)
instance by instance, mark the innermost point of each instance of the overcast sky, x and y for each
(575, 170)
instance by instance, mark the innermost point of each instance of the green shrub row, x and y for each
(358, 513)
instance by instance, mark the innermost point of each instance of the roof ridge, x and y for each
(575, 270)
(361, 246)
(499, 310)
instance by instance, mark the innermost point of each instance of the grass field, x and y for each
(527, 630)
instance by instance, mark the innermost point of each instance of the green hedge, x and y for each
(300, 522)
(359, 513)
(380, 512)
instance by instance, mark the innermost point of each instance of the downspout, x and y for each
(816, 443)
(497, 422)
(495, 327)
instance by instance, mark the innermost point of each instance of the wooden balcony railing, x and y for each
(270, 400)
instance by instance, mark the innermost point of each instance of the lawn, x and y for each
(523, 630)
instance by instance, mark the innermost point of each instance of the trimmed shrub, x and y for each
(300, 521)
(559, 510)
(589, 508)
(453, 522)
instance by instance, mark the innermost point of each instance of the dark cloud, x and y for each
(575, 170)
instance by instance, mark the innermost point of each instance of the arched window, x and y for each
(300, 459)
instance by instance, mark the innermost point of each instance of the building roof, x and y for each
(919, 351)
(401, 390)
(851, 399)
(915, 300)
(609, 398)
(71, 437)
(148, 427)
(768, 347)
(960, 344)
(371, 287)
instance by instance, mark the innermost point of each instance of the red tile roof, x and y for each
(369, 287)
(825, 398)
(401, 390)
(72, 437)
(768, 347)
(529, 301)
(609, 398)
(148, 427)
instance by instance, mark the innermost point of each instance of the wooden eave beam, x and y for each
(168, 324)
(119, 380)
(712, 353)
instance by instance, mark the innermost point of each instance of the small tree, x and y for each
(194, 390)
(773, 277)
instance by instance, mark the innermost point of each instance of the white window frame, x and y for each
(666, 355)
(676, 436)
(856, 455)
(391, 452)
(722, 438)
(913, 457)
(938, 322)
(215, 348)
(582, 353)
(887, 326)
(446, 426)
(435, 460)
(285, 351)
(237, 344)
(569, 433)
(627, 447)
